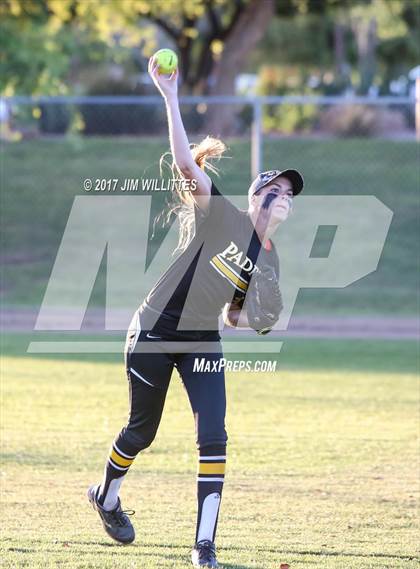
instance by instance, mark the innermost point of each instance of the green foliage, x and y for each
(303, 34)
(302, 41)
(292, 8)
(35, 65)
(285, 118)
(288, 119)
(46, 43)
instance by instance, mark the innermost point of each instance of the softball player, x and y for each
(221, 248)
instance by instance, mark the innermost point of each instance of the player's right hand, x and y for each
(168, 86)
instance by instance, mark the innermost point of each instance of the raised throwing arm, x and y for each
(180, 147)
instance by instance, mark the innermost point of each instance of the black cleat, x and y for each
(115, 522)
(204, 554)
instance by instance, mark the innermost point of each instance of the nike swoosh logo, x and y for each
(153, 337)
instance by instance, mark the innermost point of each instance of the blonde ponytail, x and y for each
(183, 203)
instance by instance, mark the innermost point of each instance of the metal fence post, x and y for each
(417, 112)
(256, 139)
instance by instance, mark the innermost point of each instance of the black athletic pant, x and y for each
(149, 363)
(149, 369)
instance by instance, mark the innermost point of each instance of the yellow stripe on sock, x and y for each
(211, 468)
(120, 460)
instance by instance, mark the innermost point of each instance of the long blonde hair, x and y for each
(182, 202)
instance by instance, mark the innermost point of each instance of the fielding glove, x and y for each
(263, 301)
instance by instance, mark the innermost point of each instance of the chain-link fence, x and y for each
(359, 147)
(249, 118)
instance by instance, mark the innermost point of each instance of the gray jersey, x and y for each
(213, 270)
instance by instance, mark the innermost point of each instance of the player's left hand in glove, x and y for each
(263, 301)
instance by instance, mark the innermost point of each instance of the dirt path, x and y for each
(380, 327)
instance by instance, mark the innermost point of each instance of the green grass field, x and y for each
(42, 177)
(322, 456)
(322, 463)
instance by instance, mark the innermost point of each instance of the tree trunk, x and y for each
(339, 54)
(366, 41)
(247, 31)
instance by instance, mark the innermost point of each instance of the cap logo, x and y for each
(265, 176)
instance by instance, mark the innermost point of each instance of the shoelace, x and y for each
(206, 550)
(118, 516)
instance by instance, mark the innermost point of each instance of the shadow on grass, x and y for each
(340, 554)
(235, 566)
(140, 550)
(20, 550)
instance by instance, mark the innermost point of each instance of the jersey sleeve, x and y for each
(220, 211)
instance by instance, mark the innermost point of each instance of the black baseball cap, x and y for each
(265, 178)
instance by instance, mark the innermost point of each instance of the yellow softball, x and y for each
(167, 61)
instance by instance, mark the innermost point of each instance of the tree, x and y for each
(45, 42)
(41, 42)
(214, 39)
(364, 42)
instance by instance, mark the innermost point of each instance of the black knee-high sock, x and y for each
(211, 473)
(121, 456)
